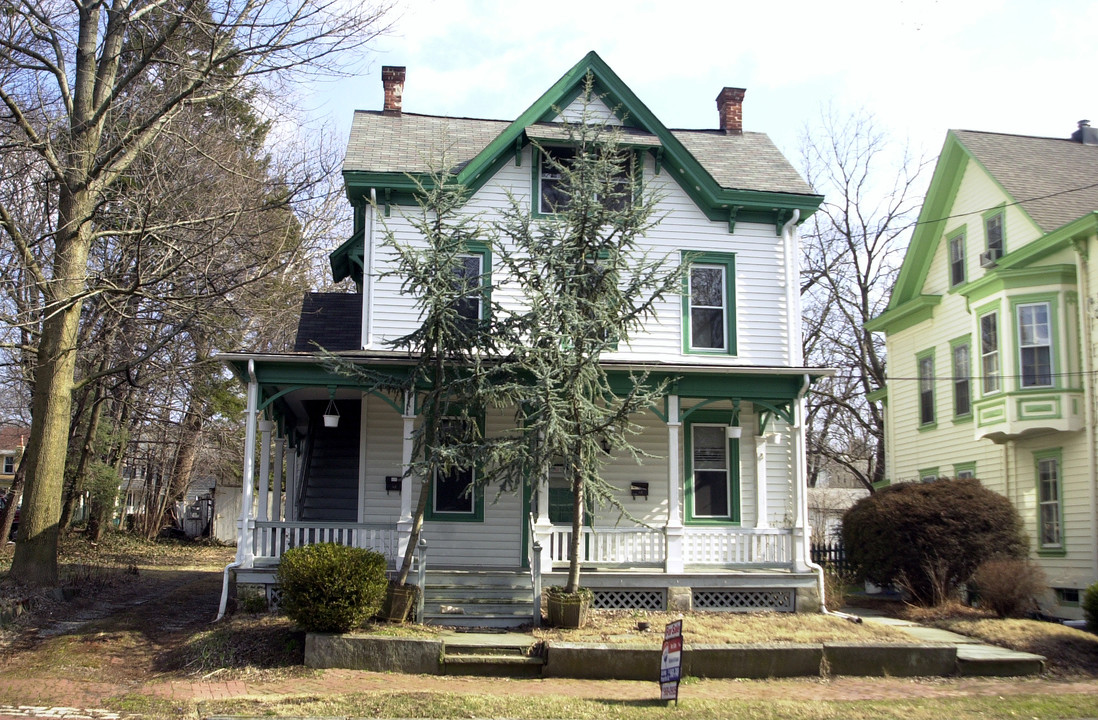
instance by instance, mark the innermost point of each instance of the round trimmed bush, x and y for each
(331, 588)
(929, 538)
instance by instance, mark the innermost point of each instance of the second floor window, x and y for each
(469, 270)
(962, 372)
(1035, 345)
(708, 307)
(956, 260)
(926, 390)
(989, 352)
(553, 191)
(9, 465)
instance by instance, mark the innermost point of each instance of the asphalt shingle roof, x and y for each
(332, 321)
(410, 143)
(1054, 180)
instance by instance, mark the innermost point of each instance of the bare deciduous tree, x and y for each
(852, 250)
(86, 90)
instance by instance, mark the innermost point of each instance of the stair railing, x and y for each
(535, 570)
(303, 471)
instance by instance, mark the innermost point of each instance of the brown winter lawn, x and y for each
(136, 635)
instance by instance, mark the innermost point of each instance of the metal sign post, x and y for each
(671, 662)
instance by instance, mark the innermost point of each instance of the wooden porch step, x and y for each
(477, 598)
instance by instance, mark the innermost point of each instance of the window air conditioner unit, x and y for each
(990, 257)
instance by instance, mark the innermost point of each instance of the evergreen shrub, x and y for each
(1090, 607)
(331, 588)
(929, 538)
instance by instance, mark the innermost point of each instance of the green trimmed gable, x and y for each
(719, 204)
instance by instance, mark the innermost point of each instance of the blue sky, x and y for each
(921, 67)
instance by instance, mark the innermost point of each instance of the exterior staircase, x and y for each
(331, 489)
(478, 598)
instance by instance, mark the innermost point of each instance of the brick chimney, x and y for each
(730, 109)
(392, 78)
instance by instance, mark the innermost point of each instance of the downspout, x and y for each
(243, 540)
(802, 501)
(1082, 269)
(367, 279)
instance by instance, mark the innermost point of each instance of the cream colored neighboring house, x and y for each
(990, 334)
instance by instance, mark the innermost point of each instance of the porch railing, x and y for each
(631, 546)
(272, 539)
(766, 547)
(701, 546)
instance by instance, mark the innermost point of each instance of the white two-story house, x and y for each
(990, 336)
(722, 499)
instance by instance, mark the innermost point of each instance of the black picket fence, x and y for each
(831, 555)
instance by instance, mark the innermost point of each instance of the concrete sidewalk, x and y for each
(974, 658)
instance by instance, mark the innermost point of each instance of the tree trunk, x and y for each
(35, 558)
(87, 451)
(578, 507)
(7, 517)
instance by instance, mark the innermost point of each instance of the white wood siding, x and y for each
(760, 299)
(596, 109)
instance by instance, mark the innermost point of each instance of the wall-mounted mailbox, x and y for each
(392, 482)
(639, 490)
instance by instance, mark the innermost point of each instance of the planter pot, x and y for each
(331, 421)
(568, 611)
(399, 601)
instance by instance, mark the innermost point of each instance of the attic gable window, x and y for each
(552, 183)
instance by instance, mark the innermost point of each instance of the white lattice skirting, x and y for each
(745, 600)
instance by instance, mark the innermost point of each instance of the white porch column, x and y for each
(265, 428)
(291, 484)
(245, 526)
(543, 527)
(404, 524)
(801, 531)
(673, 530)
(761, 519)
(279, 477)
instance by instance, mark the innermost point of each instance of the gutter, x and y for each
(1083, 280)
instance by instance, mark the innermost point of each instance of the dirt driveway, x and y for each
(137, 638)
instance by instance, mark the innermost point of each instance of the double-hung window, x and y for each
(956, 260)
(9, 465)
(454, 494)
(962, 380)
(1035, 345)
(468, 272)
(926, 389)
(1048, 492)
(989, 352)
(709, 323)
(993, 230)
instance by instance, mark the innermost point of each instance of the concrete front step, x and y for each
(492, 666)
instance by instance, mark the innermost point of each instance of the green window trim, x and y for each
(635, 159)
(957, 269)
(726, 262)
(961, 377)
(1017, 303)
(927, 390)
(484, 250)
(964, 469)
(991, 350)
(477, 512)
(929, 474)
(989, 217)
(704, 418)
(1048, 467)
